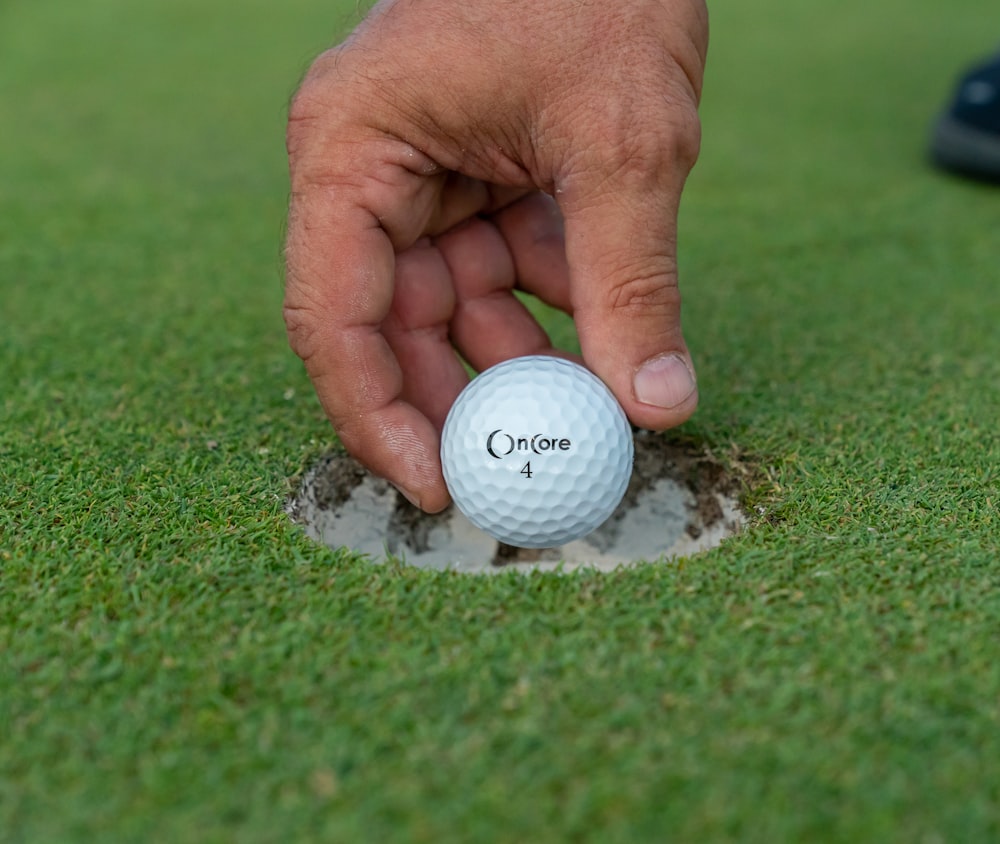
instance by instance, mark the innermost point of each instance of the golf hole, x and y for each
(680, 501)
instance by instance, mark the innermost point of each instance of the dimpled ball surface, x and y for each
(537, 452)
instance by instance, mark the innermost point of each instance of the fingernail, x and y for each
(665, 382)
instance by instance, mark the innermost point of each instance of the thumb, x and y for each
(620, 214)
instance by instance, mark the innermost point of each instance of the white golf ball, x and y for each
(537, 452)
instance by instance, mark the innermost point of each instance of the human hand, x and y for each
(448, 153)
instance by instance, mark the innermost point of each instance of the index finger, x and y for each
(339, 285)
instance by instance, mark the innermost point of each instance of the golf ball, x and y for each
(536, 451)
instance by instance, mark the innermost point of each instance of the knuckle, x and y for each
(660, 147)
(644, 293)
(641, 147)
(301, 315)
(303, 113)
(314, 100)
(300, 328)
(299, 123)
(685, 137)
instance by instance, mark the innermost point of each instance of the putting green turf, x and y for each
(178, 664)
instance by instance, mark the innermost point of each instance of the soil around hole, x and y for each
(680, 500)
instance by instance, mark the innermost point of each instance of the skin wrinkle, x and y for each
(645, 294)
(437, 331)
(646, 265)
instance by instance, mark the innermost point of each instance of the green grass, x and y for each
(178, 664)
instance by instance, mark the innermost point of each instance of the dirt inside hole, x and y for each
(680, 500)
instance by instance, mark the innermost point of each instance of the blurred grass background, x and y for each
(178, 663)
